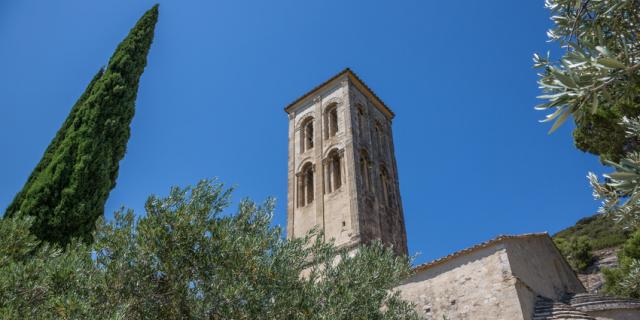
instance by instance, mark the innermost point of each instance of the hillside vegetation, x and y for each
(601, 231)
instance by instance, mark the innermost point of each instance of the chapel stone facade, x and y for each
(343, 176)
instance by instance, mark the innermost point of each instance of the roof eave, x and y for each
(472, 249)
(384, 108)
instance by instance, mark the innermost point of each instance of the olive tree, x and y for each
(597, 79)
(188, 258)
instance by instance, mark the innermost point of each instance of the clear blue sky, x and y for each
(473, 160)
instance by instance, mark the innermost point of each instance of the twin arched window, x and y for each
(383, 139)
(305, 185)
(330, 128)
(386, 191)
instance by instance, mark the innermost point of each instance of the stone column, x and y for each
(317, 150)
(291, 190)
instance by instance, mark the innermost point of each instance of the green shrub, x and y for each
(601, 230)
(577, 252)
(625, 280)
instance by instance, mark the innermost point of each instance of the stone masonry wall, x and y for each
(331, 212)
(477, 286)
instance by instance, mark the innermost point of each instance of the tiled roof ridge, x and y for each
(476, 247)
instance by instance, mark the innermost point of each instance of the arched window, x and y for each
(387, 143)
(305, 185)
(331, 121)
(306, 136)
(364, 170)
(386, 192)
(378, 136)
(362, 121)
(333, 171)
(336, 170)
(308, 179)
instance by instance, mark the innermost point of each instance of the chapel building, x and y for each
(343, 179)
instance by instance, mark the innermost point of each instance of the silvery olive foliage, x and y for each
(595, 80)
(189, 259)
(598, 75)
(40, 281)
(620, 190)
(620, 195)
(600, 68)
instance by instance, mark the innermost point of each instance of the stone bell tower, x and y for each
(342, 173)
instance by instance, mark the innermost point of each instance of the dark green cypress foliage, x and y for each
(67, 190)
(49, 153)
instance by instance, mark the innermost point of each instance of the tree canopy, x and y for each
(597, 79)
(188, 259)
(597, 82)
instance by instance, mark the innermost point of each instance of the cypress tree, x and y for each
(68, 188)
(49, 153)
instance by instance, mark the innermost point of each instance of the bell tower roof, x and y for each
(346, 73)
